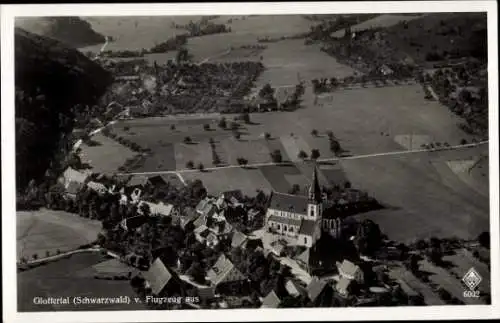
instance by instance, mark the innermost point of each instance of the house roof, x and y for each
(307, 227)
(238, 239)
(158, 276)
(72, 175)
(73, 187)
(96, 186)
(137, 180)
(284, 220)
(304, 256)
(202, 228)
(201, 220)
(315, 287)
(348, 268)
(271, 300)
(206, 207)
(221, 227)
(224, 271)
(293, 288)
(343, 283)
(288, 203)
(237, 194)
(278, 246)
(161, 209)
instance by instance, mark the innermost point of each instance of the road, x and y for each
(383, 154)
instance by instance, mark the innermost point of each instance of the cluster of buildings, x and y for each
(290, 220)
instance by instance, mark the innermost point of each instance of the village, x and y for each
(225, 182)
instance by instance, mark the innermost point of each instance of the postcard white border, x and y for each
(8, 13)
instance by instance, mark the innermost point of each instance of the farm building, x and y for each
(161, 280)
(343, 286)
(350, 271)
(271, 300)
(224, 272)
(318, 290)
(157, 209)
(73, 181)
(294, 289)
(284, 96)
(309, 260)
(97, 187)
(188, 216)
(238, 240)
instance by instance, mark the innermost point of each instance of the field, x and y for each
(107, 156)
(58, 279)
(47, 230)
(381, 21)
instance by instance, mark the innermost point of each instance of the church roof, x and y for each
(315, 189)
(307, 227)
(288, 203)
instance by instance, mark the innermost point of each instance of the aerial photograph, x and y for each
(253, 161)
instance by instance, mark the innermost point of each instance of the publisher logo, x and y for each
(472, 279)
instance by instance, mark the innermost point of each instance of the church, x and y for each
(300, 218)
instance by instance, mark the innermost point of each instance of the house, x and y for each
(278, 247)
(211, 239)
(73, 181)
(206, 207)
(294, 289)
(316, 289)
(137, 181)
(97, 187)
(343, 286)
(201, 233)
(308, 260)
(189, 216)
(222, 229)
(271, 300)
(350, 271)
(284, 96)
(160, 279)
(233, 198)
(238, 240)
(386, 70)
(156, 209)
(224, 272)
(300, 218)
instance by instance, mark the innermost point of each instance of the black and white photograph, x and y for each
(217, 159)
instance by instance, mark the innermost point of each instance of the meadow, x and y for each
(45, 230)
(58, 279)
(106, 156)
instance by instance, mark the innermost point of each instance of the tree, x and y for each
(211, 141)
(246, 118)
(190, 164)
(223, 123)
(463, 142)
(276, 156)
(413, 263)
(206, 127)
(201, 167)
(267, 135)
(196, 272)
(302, 155)
(335, 147)
(267, 92)
(315, 154)
(182, 55)
(187, 140)
(236, 135)
(314, 133)
(484, 239)
(242, 161)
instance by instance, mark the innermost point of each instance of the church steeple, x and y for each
(315, 189)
